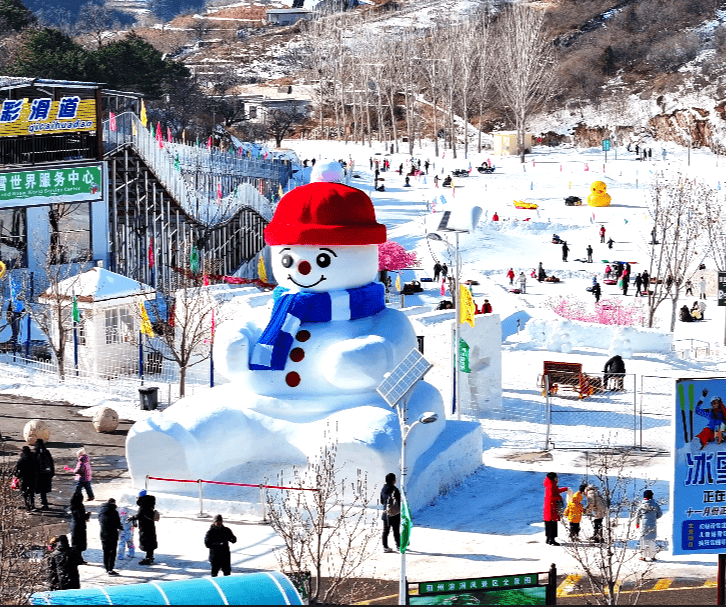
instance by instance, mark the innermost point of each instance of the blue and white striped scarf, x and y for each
(292, 309)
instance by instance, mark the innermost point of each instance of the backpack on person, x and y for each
(393, 504)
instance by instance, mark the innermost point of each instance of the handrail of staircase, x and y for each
(169, 162)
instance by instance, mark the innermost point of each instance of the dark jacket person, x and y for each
(46, 472)
(217, 540)
(110, 523)
(79, 518)
(147, 526)
(63, 566)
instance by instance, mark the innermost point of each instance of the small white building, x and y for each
(287, 16)
(505, 143)
(108, 330)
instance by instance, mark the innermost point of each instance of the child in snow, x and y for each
(597, 509)
(648, 514)
(574, 511)
(126, 537)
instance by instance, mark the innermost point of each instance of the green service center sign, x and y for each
(52, 185)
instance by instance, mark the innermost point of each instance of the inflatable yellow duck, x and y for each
(599, 196)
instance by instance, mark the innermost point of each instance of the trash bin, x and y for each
(149, 398)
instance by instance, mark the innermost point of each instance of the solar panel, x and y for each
(399, 381)
(444, 223)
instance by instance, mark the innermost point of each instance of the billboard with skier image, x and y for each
(699, 482)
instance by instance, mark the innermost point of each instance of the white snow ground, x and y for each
(491, 524)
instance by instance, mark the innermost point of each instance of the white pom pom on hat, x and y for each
(327, 170)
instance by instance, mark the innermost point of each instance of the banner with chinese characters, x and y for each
(699, 479)
(22, 117)
(50, 185)
(523, 589)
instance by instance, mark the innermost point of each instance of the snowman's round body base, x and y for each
(263, 422)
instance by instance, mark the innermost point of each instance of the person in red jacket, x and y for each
(510, 276)
(552, 507)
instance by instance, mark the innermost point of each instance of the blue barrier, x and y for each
(266, 588)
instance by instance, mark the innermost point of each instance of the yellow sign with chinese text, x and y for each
(22, 117)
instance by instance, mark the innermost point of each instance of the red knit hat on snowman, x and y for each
(325, 213)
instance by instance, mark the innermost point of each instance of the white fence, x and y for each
(116, 380)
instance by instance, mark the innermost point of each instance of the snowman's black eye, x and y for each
(286, 261)
(323, 260)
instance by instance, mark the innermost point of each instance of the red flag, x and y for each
(151, 252)
(112, 121)
(168, 134)
(209, 143)
(206, 280)
(219, 191)
(443, 287)
(262, 189)
(159, 138)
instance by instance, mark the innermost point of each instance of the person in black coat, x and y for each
(63, 564)
(46, 472)
(110, 523)
(391, 502)
(565, 250)
(614, 369)
(26, 470)
(596, 291)
(217, 540)
(147, 526)
(79, 518)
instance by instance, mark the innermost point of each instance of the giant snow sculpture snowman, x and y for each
(307, 373)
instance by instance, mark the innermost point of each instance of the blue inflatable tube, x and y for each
(266, 588)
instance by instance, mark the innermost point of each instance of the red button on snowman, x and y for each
(309, 366)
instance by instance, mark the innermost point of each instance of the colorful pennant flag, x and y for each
(144, 119)
(219, 192)
(133, 128)
(159, 137)
(464, 356)
(146, 328)
(406, 523)
(151, 252)
(76, 313)
(209, 143)
(168, 134)
(194, 260)
(261, 271)
(443, 287)
(112, 121)
(467, 307)
(398, 282)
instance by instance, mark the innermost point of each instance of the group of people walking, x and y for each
(35, 471)
(588, 501)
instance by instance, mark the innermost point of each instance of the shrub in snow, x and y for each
(606, 312)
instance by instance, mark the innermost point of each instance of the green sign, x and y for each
(464, 356)
(41, 186)
(605, 145)
(533, 595)
(722, 288)
(486, 583)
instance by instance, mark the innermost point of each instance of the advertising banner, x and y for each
(22, 117)
(51, 185)
(699, 483)
(523, 589)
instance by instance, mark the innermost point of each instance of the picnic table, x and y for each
(567, 376)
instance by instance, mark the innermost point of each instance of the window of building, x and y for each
(119, 325)
(13, 237)
(253, 112)
(70, 232)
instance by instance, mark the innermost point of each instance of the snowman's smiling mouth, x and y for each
(322, 278)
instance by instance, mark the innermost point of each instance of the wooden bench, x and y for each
(567, 376)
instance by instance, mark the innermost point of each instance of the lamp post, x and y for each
(457, 314)
(426, 418)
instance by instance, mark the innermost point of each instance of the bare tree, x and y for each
(184, 325)
(326, 531)
(21, 546)
(610, 563)
(62, 263)
(677, 210)
(280, 119)
(525, 64)
(95, 20)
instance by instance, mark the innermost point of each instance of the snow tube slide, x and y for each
(266, 588)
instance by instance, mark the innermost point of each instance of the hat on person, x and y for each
(648, 494)
(325, 214)
(142, 493)
(218, 518)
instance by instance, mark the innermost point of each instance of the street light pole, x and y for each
(426, 418)
(457, 324)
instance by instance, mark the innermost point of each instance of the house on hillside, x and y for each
(287, 16)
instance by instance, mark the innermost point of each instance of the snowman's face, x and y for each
(324, 268)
